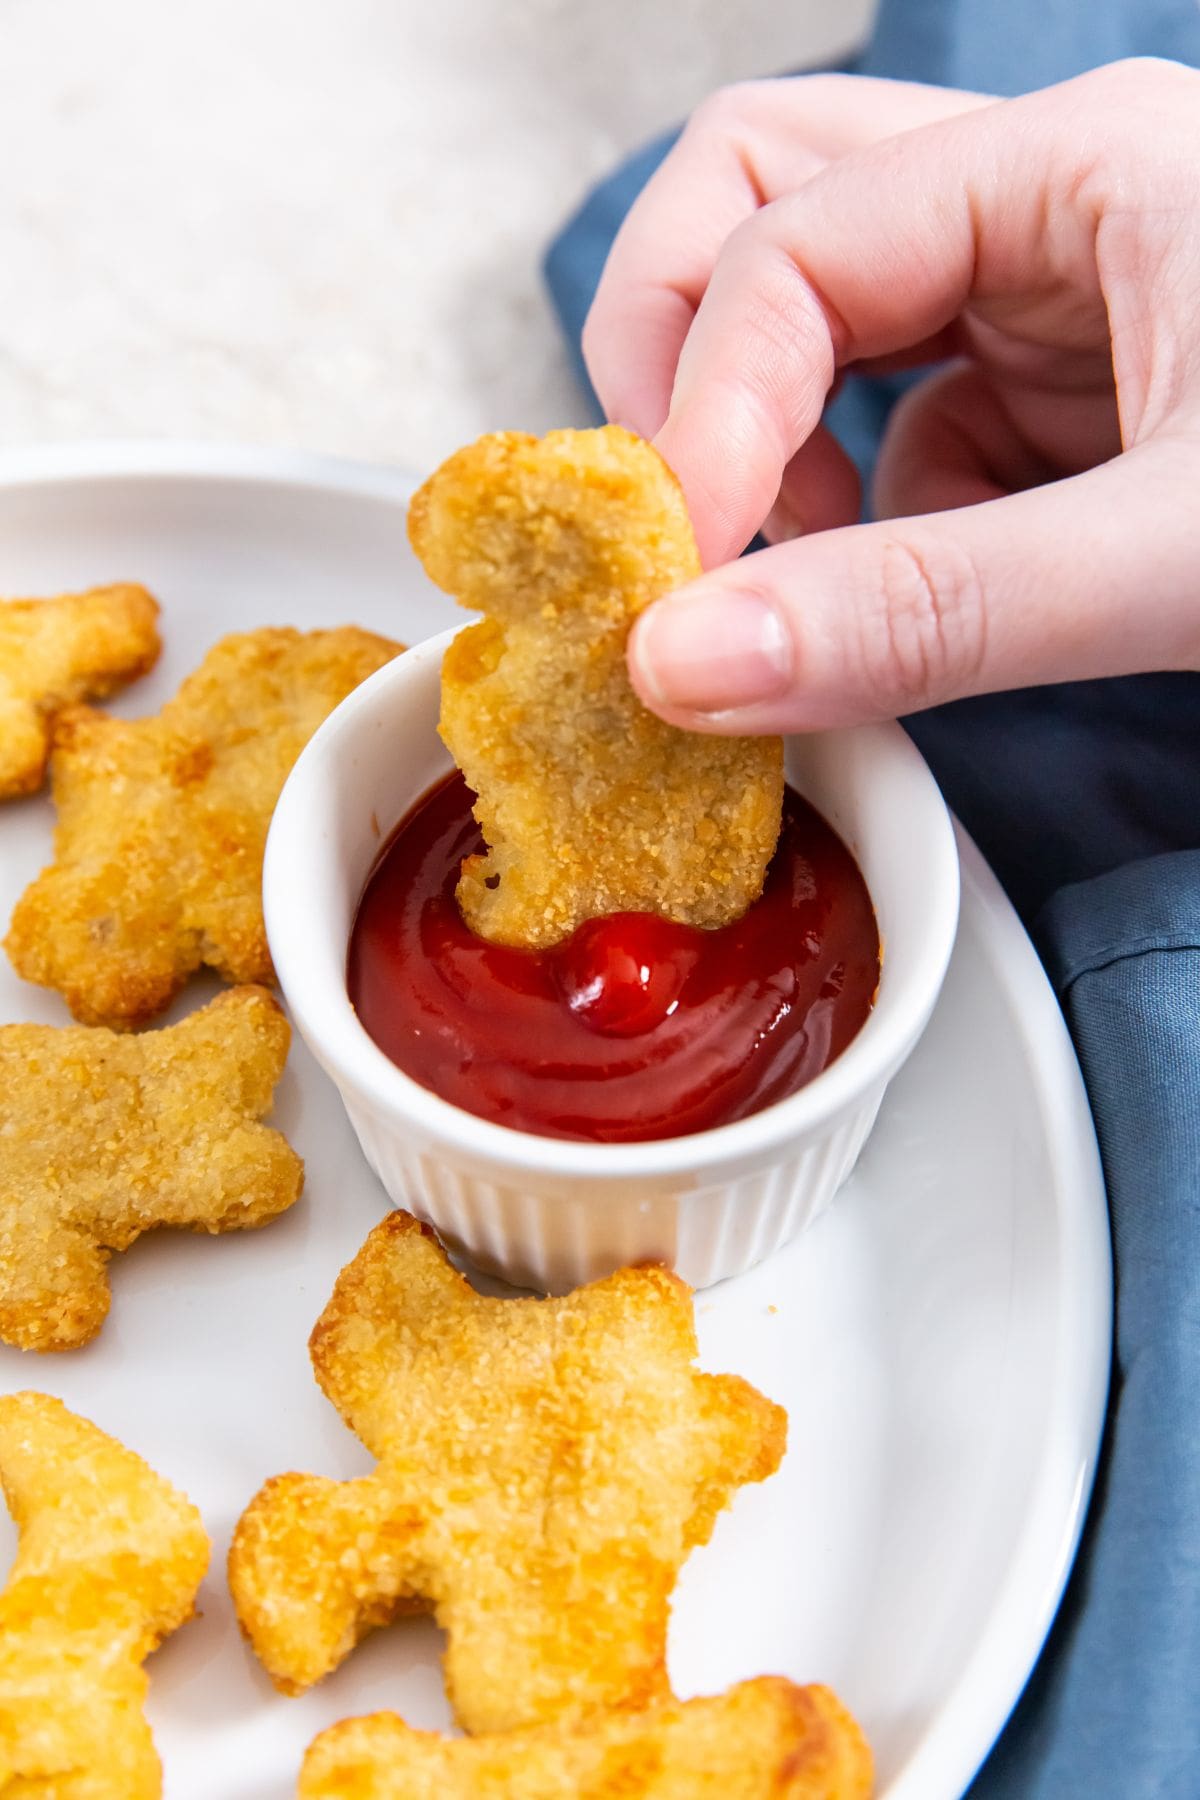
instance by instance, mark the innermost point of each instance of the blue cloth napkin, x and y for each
(1113, 1707)
(1086, 800)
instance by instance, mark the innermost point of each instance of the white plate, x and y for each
(940, 1338)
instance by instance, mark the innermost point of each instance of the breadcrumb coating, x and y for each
(162, 824)
(108, 1563)
(589, 804)
(56, 652)
(544, 1468)
(763, 1740)
(104, 1136)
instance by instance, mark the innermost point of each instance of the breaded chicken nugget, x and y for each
(108, 1564)
(162, 824)
(763, 1740)
(589, 804)
(544, 1468)
(103, 1137)
(55, 652)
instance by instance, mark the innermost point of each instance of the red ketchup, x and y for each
(634, 1027)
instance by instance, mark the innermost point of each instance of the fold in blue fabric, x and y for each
(1086, 800)
(1112, 1707)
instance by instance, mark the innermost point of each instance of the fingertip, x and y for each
(782, 523)
(724, 515)
(820, 490)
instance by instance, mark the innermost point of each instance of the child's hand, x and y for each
(803, 226)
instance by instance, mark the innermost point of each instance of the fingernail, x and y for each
(709, 652)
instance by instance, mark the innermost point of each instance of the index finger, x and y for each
(883, 250)
(743, 148)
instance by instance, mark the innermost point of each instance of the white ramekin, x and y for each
(549, 1213)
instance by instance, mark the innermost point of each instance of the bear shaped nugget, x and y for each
(763, 1740)
(55, 652)
(544, 1467)
(162, 824)
(108, 1563)
(103, 1137)
(589, 804)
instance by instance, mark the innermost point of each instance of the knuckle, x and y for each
(926, 637)
(1131, 108)
(820, 83)
(790, 331)
(724, 112)
(1143, 75)
(777, 299)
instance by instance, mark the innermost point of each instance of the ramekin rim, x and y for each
(360, 1069)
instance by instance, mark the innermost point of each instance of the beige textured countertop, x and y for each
(319, 222)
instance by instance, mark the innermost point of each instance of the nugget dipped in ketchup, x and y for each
(601, 927)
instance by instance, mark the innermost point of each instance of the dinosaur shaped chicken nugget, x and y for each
(589, 803)
(108, 1564)
(162, 823)
(544, 1468)
(104, 1136)
(763, 1740)
(55, 652)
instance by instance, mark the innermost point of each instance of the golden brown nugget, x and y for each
(162, 824)
(108, 1563)
(56, 652)
(589, 804)
(763, 1740)
(544, 1467)
(104, 1136)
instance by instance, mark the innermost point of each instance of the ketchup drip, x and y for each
(634, 1027)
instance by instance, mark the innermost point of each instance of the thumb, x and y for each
(1093, 576)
